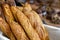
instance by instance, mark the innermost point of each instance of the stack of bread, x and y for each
(21, 23)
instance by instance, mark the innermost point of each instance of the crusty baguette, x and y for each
(14, 10)
(20, 8)
(6, 29)
(39, 23)
(18, 31)
(15, 27)
(35, 21)
(27, 26)
(32, 34)
(7, 12)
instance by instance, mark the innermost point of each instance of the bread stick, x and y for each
(6, 29)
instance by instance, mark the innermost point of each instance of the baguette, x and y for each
(45, 36)
(14, 12)
(32, 34)
(35, 21)
(15, 27)
(7, 12)
(20, 8)
(6, 29)
(18, 31)
(13, 9)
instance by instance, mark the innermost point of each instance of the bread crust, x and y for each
(36, 22)
(15, 27)
(24, 21)
(6, 29)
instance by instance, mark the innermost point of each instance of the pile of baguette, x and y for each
(21, 23)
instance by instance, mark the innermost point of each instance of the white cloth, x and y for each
(54, 32)
(3, 37)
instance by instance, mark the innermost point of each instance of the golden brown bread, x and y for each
(40, 24)
(15, 27)
(18, 31)
(28, 27)
(6, 29)
(14, 12)
(13, 9)
(32, 34)
(29, 20)
(35, 21)
(20, 8)
(7, 12)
